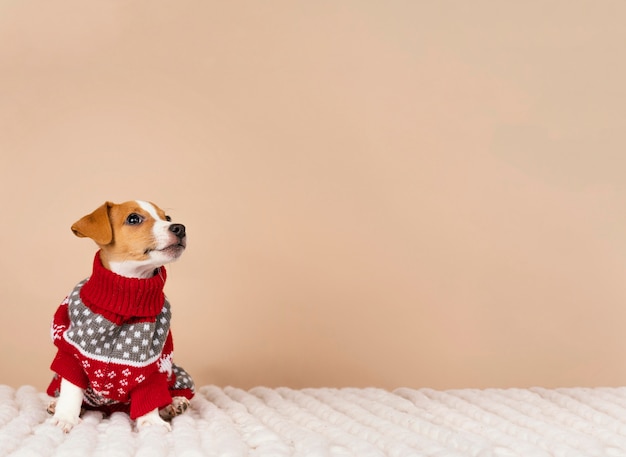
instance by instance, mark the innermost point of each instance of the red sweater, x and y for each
(113, 338)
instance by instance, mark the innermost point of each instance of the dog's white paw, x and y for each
(152, 419)
(66, 408)
(178, 406)
(65, 422)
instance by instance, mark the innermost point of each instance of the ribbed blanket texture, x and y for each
(230, 422)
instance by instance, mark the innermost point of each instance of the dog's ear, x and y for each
(96, 225)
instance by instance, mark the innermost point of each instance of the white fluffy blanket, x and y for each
(338, 422)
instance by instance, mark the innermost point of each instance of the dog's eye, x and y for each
(168, 219)
(134, 219)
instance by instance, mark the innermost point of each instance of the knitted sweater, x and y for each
(113, 338)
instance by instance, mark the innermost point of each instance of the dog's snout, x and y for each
(178, 230)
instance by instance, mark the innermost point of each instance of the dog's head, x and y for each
(135, 237)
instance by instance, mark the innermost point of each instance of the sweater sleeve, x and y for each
(60, 323)
(65, 364)
(179, 381)
(154, 391)
(149, 394)
(68, 367)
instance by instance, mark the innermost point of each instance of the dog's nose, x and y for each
(178, 230)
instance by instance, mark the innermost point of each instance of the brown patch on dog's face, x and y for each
(131, 231)
(133, 236)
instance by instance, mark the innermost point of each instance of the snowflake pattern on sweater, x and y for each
(117, 363)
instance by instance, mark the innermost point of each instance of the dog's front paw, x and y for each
(66, 408)
(178, 406)
(65, 422)
(152, 419)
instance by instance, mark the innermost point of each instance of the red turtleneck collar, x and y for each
(120, 299)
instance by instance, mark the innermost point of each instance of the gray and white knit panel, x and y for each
(96, 337)
(183, 380)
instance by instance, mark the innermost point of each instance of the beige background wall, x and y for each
(376, 193)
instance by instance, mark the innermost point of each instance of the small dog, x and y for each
(113, 331)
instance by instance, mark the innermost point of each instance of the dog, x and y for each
(112, 333)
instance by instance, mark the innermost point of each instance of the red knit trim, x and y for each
(68, 367)
(150, 394)
(119, 298)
